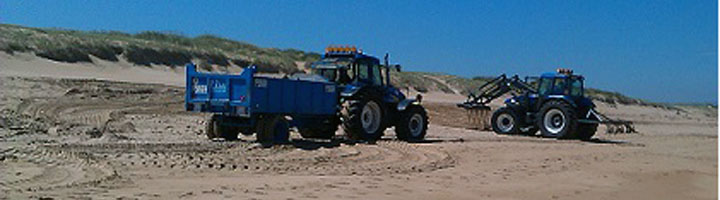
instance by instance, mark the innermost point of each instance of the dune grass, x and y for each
(146, 48)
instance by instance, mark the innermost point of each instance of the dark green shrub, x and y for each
(65, 54)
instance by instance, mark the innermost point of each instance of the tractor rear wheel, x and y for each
(586, 131)
(557, 119)
(413, 124)
(324, 129)
(505, 121)
(363, 120)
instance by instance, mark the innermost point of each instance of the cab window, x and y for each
(327, 73)
(377, 77)
(363, 72)
(576, 86)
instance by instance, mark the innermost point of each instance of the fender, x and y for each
(350, 90)
(402, 105)
(405, 103)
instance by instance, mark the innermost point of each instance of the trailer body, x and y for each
(248, 96)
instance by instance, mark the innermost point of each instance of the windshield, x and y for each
(332, 63)
(329, 74)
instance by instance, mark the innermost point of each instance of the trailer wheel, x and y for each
(557, 119)
(228, 133)
(363, 120)
(586, 131)
(210, 127)
(413, 124)
(323, 129)
(505, 121)
(273, 129)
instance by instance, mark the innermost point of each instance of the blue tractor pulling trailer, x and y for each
(349, 89)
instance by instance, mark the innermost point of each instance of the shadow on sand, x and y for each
(312, 144)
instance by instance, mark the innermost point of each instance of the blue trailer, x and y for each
(248, 104)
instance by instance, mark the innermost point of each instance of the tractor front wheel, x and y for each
(413, 124)
(505, 121)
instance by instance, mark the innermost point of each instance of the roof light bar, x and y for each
(564, 71)
(341, 49)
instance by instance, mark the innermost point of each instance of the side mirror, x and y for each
(397, 67)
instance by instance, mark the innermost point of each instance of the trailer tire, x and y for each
(215, 129)
(505, 121)
(557, 119)
(323, 130)
(413, 124)
(273, 129)
(586, 131)
(228, 133)
(363, 119)
(210, 128)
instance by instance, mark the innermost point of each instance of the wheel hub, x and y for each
(554, 121)
(370, 117)
(505, 122)
(416, 125)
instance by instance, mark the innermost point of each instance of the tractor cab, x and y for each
(346, 65)
(353, 70)
(561, 83)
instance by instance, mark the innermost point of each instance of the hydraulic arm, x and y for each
(494, 89)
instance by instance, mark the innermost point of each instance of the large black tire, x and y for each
(354, 127)
(557, 119)
(210, 127)
(272, 129)
(505, 121)
(324, 129)
(413, 124)
(586, 131)
(215, 129)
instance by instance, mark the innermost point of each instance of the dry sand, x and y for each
(78, 138)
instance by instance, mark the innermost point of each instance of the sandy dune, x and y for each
(77, 138)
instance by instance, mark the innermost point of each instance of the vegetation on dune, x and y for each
(146, 48)
(171, 49)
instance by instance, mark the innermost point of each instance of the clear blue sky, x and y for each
(663, 51)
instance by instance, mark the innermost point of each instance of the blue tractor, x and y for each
(369, 103)
(553, 103)
(346, 88)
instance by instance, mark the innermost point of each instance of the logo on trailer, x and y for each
(198, 89)
(219, 87)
